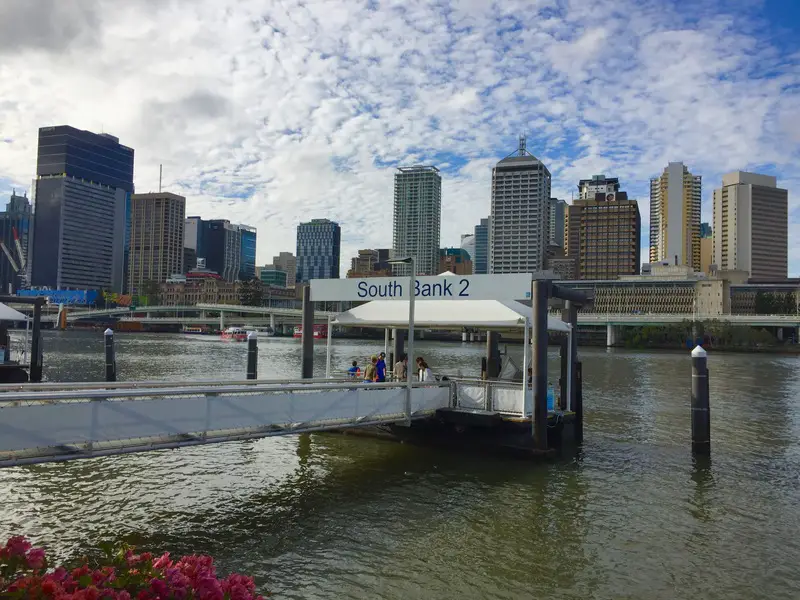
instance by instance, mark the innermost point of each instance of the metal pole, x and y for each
(525, 362)
(328, 350)
(572, 313)
(563, 354)
(36, 344)
(111, 359)
(412, 281)
(701, 413)
(252, 355)
(539, 333)
(566, 402)
(386, 341)
(578, 405)
(308, 335)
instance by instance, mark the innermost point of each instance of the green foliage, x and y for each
(251, 292)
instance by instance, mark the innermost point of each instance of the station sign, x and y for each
(515, 286)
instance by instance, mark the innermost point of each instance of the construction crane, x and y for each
(18, 269)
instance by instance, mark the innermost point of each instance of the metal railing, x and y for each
(504, 397)
(66, 423)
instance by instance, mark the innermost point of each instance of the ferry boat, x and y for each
(235, 334)
(320, 331)
(261, 332)
(194, 330)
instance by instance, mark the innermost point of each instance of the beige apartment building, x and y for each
(750, 228)
(155, 249)
(675, 199)
(603, 236)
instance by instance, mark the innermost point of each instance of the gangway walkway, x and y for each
(58, 422)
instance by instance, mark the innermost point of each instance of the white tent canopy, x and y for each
(444, 314)
(9, 314)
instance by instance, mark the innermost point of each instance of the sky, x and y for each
(274, 112)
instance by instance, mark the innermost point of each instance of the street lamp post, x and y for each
(412, 281)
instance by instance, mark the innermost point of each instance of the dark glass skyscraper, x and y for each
(83, 181)
(17, 216)
(247, 260)
(319, 244)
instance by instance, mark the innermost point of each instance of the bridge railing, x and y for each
(58, 425)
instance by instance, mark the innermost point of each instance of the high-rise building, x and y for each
(675, 199)
(555, 227)
(16, 218)
(588, 189)
(221, 241)
(417, 218)
(156, 239)
(193, 236)
(455, 260)
(480, 262)
(286, 261)
(706, 248)
(319, 243)
(370, 263)
(603, 236)
(520, 213)
(83, 182)
(750, 226)
(247, 260)
(271, 275)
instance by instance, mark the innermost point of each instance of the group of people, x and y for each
(375, 370)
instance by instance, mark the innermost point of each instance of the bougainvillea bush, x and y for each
(124, 575)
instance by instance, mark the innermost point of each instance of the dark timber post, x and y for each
(398, 345)
(564, 361)
(252, 355)
(308, 334)
(111, 359)
(701, 417)
(578, 405)
(36, 343)
(492, 355)
(539, 295)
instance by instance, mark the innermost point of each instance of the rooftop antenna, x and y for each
(522, 143)
(160, 173)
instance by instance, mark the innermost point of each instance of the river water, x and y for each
(327, 516)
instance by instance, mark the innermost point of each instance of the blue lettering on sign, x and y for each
(393, 289)
(464, 287)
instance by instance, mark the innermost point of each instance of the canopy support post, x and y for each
(525, 363)
(328, 344)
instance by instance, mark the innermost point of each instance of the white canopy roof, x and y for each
(9, 314)
(486, 314)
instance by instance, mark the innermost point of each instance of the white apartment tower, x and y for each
(417, 218)
(751, 217)
(675, 199)
(519, 223)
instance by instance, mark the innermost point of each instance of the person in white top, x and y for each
(425, 373)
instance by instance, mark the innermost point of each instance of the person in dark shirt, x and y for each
(354, 371)
(380, 366)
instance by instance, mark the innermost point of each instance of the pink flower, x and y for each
(18, 546)
(35, 558)
(162, 562)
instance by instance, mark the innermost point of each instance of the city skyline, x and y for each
(312, 147)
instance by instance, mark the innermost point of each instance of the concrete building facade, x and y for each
(455, 260)
(286, 261)
(603, 235)
(557, 222)
(675, 199)
(706, 248)
(156, 239)
(750, 227)
(417, 218)
(519, 222)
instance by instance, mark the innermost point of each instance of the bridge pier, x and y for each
(611, 335)
(780, 334)
(221, 321)
(272, 321)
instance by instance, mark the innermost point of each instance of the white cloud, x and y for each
(274, 113)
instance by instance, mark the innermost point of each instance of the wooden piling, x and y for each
(308, 335)
(252, 355)
(111, 360)
(539, 293)
(577, 407)
(701, 410)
